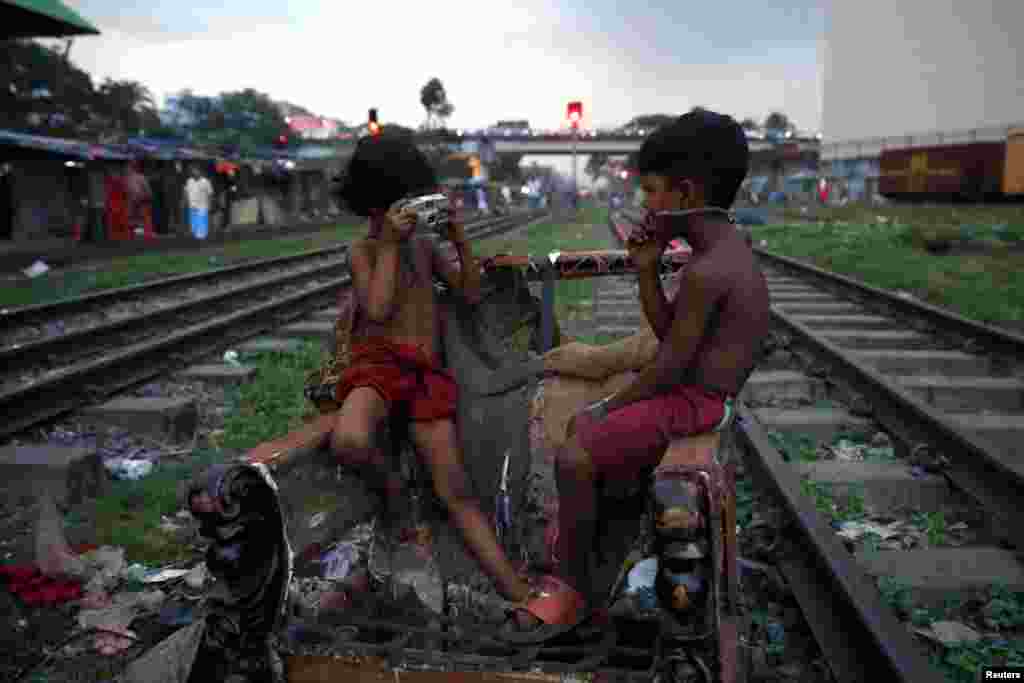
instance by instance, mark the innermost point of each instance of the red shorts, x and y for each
(401, 373)
(635, 437)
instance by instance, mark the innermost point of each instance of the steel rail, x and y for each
(58, 345)
(64, 307)
(993, 338)
(90, 381)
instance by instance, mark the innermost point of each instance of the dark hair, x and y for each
(702, 145)
(383, 170)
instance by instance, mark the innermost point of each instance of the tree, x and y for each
(506, 168)
(749, 124)
(777, 121)
(650, 121)
(127, 106)
(242, 119)
(42, 92)
(435, 101)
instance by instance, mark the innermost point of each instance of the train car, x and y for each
(980, 171)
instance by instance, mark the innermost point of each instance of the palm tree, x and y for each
(128, 105)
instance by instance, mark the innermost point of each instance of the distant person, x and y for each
(198, 194)
(140, 200)
(118, 220)
(481, 200)
(6, 203)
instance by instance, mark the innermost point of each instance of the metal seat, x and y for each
(706, 462)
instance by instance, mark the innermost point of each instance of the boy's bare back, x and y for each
(740, 314)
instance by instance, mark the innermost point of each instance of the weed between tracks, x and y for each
(132, 270)
(998, 616)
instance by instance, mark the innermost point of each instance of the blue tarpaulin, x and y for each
(75, 149)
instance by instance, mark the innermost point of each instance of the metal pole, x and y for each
(575, 189)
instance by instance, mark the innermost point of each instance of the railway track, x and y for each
(61, 356)
(849, 359)
(805, 387)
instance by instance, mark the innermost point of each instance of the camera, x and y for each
(433, 211)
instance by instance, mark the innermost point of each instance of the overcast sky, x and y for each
(496, 60)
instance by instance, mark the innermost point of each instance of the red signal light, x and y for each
(575, 113)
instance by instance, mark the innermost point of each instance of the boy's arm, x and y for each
(465, 281)
(675, 353)
(657, 309)
(375, 281)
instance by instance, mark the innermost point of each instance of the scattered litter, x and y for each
(161, 575)
(881, 219)
(317, 519)
(105, 566)
(114, 641)
(423, 577)
(95, 600)
(854, 530)
(34, 588)
(334, 600)
(339, 561)
(168, 526)
(177, 614)
(847, 451)
(123, 610)
(776, 633)
(36, 269)
(949, 632)
(231, 358)
(642, 575)
(196, 577)
(129, 470)
(53, 556)
(904, 295)
(135, 572)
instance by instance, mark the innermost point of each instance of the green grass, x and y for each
(587, 232)
(273, 404)
(131, 270)
(921, 215)
(988, 287)
(268, 407)
(130, 516)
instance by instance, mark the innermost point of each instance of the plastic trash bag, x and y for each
(53, 555)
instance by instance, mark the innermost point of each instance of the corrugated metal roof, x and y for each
(41, 18)
(62, 146)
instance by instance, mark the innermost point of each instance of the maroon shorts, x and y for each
(635, 437)
(401, 373)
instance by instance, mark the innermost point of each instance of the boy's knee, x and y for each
(454, 492)
(574, 458)
(352, 446)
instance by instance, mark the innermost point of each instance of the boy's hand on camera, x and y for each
(397, 225)
(645, 250)
(455, 232)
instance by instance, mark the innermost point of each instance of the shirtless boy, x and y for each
(396, 339)
(708, 336)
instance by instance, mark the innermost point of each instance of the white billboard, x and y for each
(907, 67)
